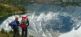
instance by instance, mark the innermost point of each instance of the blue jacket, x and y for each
(14, 24)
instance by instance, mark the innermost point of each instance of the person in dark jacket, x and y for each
(24, 24)
(14, 25)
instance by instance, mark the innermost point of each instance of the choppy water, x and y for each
(51, 21)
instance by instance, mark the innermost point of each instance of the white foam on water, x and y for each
(35, 28)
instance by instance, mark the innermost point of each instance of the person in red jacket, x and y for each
(24, 24)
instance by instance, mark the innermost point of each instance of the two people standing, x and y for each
(23, 25)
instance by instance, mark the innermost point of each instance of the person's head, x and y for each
(16, 18)
(24, 17)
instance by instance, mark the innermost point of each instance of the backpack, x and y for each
(13, 24)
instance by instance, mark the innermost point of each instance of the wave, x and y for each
(46, 25)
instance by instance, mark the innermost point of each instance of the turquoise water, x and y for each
(46, 19)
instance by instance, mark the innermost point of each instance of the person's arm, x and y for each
(9, 24)
(27, 22)
(18, 23)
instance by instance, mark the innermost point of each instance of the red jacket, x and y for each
(23, 26)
